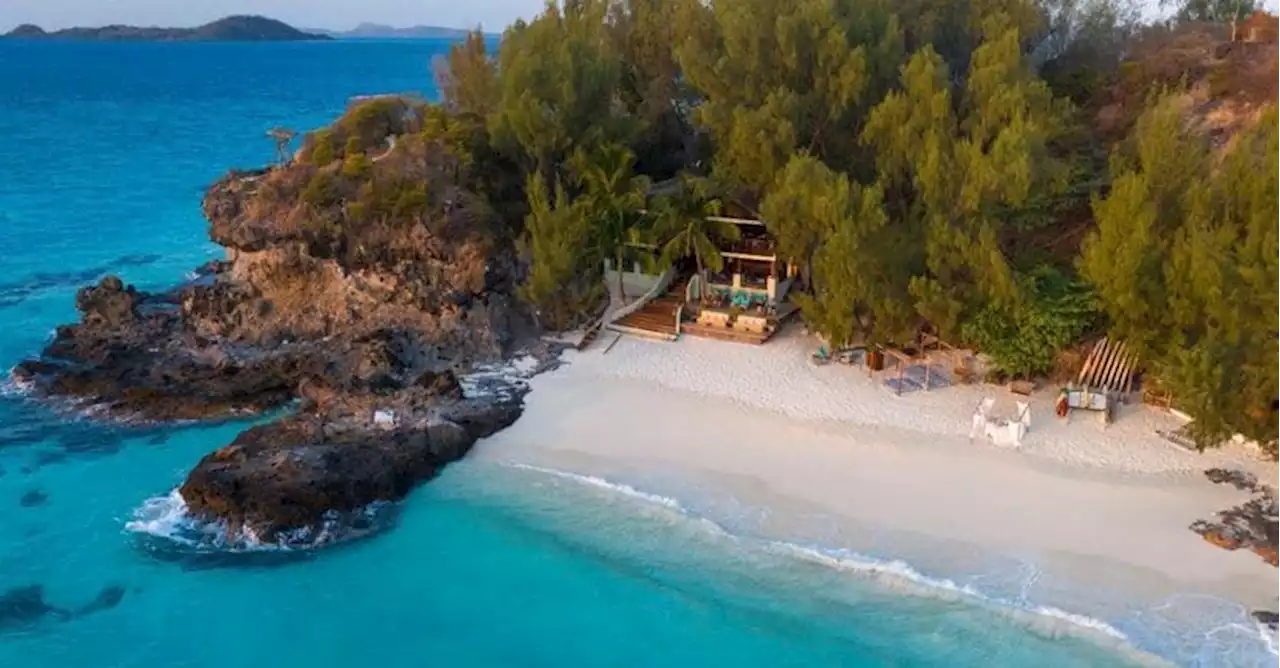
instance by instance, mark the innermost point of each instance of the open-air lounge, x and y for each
(743, 299)
(926, 362)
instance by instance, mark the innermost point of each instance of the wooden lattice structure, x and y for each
(1106, 376)
(1110, 367)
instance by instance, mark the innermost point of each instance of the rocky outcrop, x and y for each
(1252, 525)
(132, 356)
(280, 482)
(354, 284)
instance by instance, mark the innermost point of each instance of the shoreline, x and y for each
(1096, 519)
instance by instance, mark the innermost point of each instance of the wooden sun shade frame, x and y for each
(931, 349)
(1109, 367)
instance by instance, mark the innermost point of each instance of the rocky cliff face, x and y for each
(1223, 85)
(356, 281)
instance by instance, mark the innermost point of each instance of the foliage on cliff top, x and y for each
(366, 125)
(403, 203)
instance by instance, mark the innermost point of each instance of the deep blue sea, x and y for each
(105, 150)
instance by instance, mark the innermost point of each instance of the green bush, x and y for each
(323, 153)
(369, 122)
(321, 190)
(354, 145)
(356, 165)
(1023, 340)
(411, 201)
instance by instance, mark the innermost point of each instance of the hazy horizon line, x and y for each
(4, 28)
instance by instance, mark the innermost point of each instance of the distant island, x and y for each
(380, 31)
(229, 29)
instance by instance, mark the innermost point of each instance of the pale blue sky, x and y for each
(333, 14)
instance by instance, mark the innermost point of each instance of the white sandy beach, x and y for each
(1104, 510)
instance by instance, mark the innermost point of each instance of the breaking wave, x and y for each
(601, 483)
(901, 577)
(167, 524)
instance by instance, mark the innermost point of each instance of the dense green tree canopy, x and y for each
(1185, 262)
(777, 77)
(558, 88)
(923, 162)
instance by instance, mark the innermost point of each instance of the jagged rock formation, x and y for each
(1252, 525)
(280, 482)
(355, 281)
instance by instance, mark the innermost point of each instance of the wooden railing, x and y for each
(658, 288)
(590, 332)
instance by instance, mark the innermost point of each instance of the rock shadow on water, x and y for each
(16, 292)
(54, 436)
(33, 498)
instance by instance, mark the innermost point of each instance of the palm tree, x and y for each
(613, 198)
(684, 228)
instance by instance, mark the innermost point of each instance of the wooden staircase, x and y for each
(593, 331)
(656, 318)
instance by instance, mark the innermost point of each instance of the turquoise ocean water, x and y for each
(104, 153)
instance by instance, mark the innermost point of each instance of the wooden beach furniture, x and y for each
(713, 318)
(927, 352)
(751, 323)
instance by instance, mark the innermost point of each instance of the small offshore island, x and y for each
(229, 29)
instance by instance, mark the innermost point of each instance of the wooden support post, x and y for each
(902, 368)
(927, 369)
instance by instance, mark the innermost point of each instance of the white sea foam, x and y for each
(169, 518)
(895, 574)
(13, 386)
(500, 378)
(620, 488)
(1270, 639)
(901, 576)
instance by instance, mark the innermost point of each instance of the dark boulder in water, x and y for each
(283, 482)
(108, 598)
(47, 457)
(1268, 619)
(33, 498)
(25, 606)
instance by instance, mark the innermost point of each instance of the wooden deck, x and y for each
(656, 318)
(737, 335)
